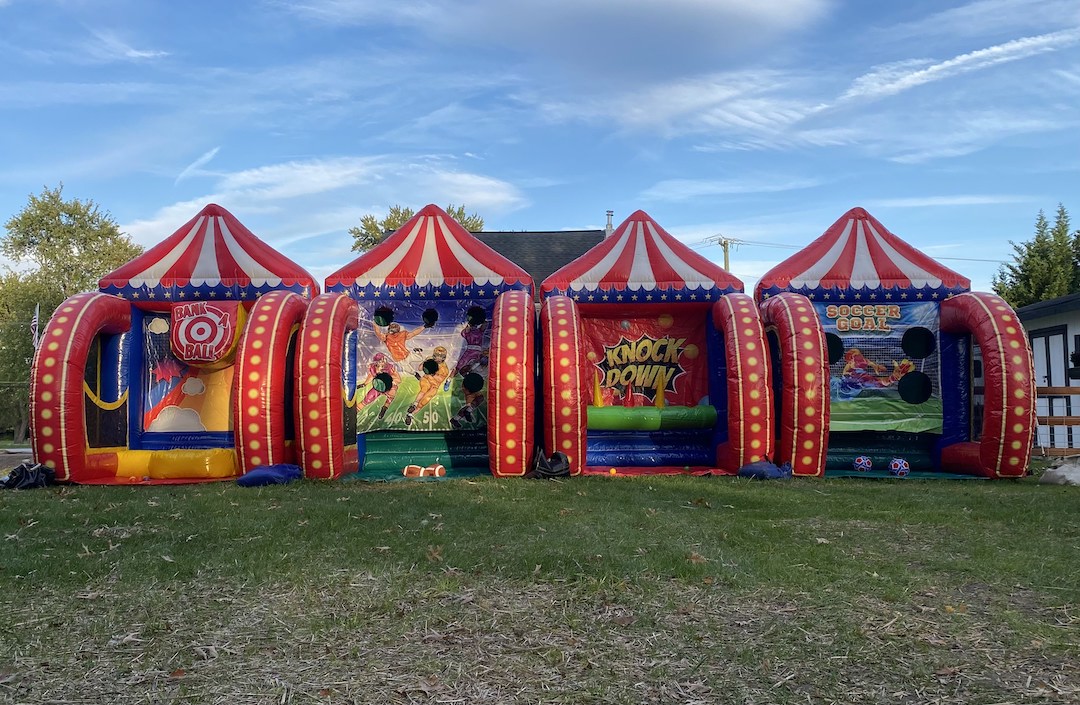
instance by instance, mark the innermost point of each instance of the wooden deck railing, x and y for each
(1056, 420)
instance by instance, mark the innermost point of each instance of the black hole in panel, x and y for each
(918, 342)
(383, 316)
(382, 382)
(431, 317)
(915, 387)
(836, 348)
(475, 316)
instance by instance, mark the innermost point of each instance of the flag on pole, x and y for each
(34, 325)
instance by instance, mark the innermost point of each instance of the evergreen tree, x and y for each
(1044, 267)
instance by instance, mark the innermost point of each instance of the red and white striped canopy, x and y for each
(641, 256)
(211, 256)
(857, 254)
(430, 250)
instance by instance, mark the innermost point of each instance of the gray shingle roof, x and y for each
(541, 253)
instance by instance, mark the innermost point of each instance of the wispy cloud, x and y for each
(194, 167)
(982, 18)
(892, 79)
(685, 189)
(949, 201)
(107, 46)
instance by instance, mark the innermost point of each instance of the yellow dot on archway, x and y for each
(511, 411)
(755, 458)
(46, 396)
(263, 317)
(1014, 461)
(804, 319)
(253, 376)
(254, 445)
(751, 361)
(809, 428)
(810, 377)
(313, 397)
(755, 427)
(512, 319)
(808, 445)
(691, 351)
(511, 360)
(46, 431)
(313, 380)
(47, 379)
(564, 334)
(1018, 428)
(258, 344)
(511, 376)
(809, 410)
(50, 464)
(313, 364)
(567, 444)
(46, 414)
(665, 320)
(755, 411)
(755, 394)
(68, 309)
(749, 332)
(511, 444)
(807, 460)
(754, 377)
(1014, 344)
(1019, 376)
(255, 360)
(316, 334)
(565, 395)
(1001, 308)
(315, 448)
(253, 428)
(808, 360)
(564, 378)
(562, 322)
(751, 346)
(256, 460)
(566, 428)
(510, 459)
(1017, 359)
(313, 414)
(564, 362)
(1010, 330)
(316, 321)
(1016, 445)
(511, 427)
(512, 345)
(50, 361)
(1019, 411)
(567, 411)
(316, 464)
(563, 347)
(62, 319)
(253, 410)
(511, 331)
(47, 448)
(1019, 394)
(755, 444)
(314, 432)
(511, 394)
(259, 330)
(313, 348)
(53, 346)
(747, 319)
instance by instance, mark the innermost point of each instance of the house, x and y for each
(540, 253)
(1053, 328)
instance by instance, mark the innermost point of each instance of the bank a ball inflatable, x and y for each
(863, 463)
(899, 467)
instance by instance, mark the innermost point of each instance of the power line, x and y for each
(725, 242)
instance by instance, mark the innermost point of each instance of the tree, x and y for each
(62, 247)
(372, 231)
(1045, 267)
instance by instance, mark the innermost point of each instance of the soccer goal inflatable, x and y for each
(901, 335)
(179, 368)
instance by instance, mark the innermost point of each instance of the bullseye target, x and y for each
(204, 333)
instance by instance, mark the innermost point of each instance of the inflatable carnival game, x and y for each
(653, 361)
(900, 331)
(176, 369)
(418, 361)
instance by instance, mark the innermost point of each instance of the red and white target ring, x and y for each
(203, 332)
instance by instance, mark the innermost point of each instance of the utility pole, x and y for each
(725, 244)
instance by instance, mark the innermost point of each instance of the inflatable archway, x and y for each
(140, 383)
(899, 334)
(653, 360)
(418, 361)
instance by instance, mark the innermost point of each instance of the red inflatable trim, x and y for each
(511, 434)
(320, 404)
(749, 383)
(804, 374)
(259, 420)
(1009, 378)
(57, 411)
(565, 412)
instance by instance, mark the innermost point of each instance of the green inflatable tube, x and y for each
(650, 418)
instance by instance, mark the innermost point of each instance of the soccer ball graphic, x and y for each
(863, 463)
(899, 467)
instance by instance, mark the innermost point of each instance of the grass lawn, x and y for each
(590, 590)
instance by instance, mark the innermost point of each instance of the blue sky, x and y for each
(763, 120)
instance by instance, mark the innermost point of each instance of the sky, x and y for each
(763, 121)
